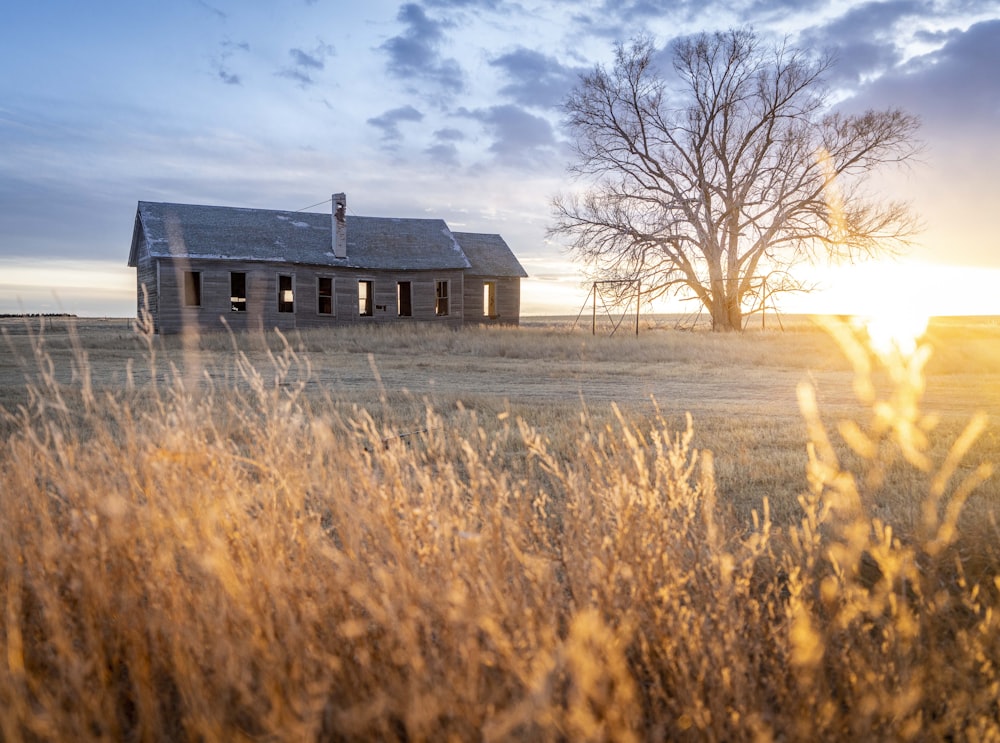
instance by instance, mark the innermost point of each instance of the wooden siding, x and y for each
(507, 301)
(145, 278)
(262, 296)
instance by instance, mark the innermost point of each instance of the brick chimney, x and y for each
(339, 231)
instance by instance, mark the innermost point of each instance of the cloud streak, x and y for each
(221, 63)
(388, 122)
(414, 54)
(536, 79)
(444, 150)
(305, 64)
(520, 138)
(865, 40)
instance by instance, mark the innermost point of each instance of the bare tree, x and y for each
(718, 179)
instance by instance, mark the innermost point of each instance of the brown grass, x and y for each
(443, 535)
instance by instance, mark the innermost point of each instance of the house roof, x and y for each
(489, 255)
(230, 233)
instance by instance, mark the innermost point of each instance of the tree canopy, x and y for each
(715, 177)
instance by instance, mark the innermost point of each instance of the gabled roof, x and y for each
(489, 255)
(231, 233)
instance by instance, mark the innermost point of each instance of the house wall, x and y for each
(145, 278)
(262, 296)
(508, 300)
(384, 304)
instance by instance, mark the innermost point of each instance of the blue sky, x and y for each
(443, 108)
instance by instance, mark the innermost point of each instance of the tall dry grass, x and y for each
(193, 560)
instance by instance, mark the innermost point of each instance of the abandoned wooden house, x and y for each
(210, 266)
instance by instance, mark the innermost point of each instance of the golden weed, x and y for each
(206, 557)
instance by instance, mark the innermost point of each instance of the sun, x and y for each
(896, 330)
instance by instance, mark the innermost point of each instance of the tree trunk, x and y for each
(725, 308)
(734, 307)
(726, 315)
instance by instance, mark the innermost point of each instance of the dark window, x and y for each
(441, 298)
(365, 292)
(403, 305)
(286, 295)
(238, 292)
(192, 288)
(489, 299)
(325, 294)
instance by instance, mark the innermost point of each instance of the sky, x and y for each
(439, 108)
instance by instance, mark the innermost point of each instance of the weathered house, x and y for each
(205, 266)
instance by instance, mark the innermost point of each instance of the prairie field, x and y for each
(529, 533)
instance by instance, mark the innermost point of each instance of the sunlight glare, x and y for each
(868, 289)
(896, 330)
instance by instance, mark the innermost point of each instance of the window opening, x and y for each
(286, 295)
(192, 288)
(238, 292)
(489, 299)
(325, 294)
(365, 292)
(441, 298)
(404, 307)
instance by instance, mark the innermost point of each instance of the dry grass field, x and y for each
(529, 534)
